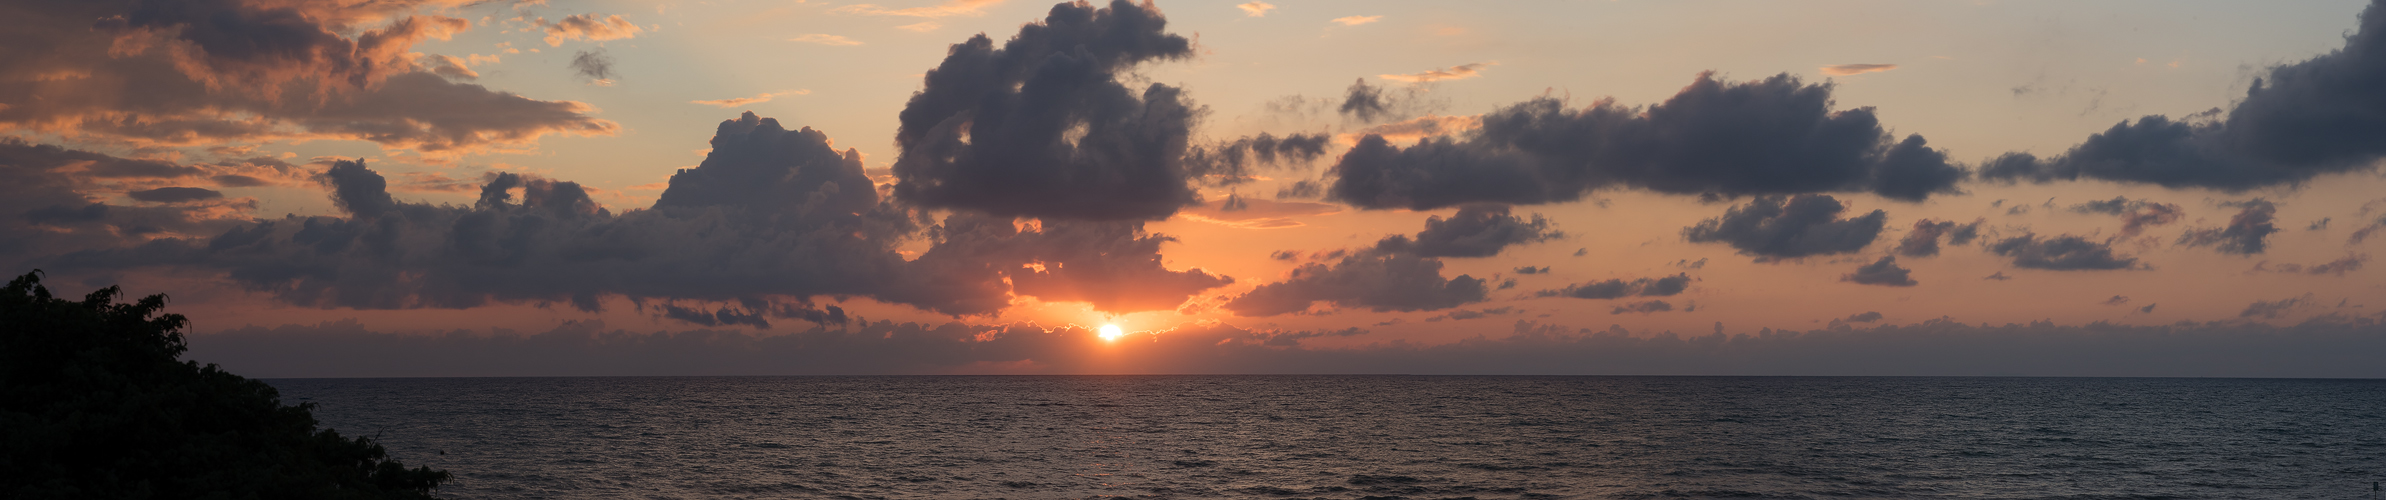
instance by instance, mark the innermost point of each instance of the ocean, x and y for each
(1371, 437)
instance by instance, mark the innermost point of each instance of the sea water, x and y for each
(1352, 437)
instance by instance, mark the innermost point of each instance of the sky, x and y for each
(455, 188)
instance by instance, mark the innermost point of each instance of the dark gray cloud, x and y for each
(1234, 162)
(1477, 230)
(1772, 136)
(1923, 241)
(2116, 300)
(594, 65)
(2273, 309)
(1799, 226)
(1467, 314)
(1881, 272)
(2327, 347)
(2300, 120)
(2136, 215)
(2061, 253)
(2248, 232)
(1113, 265)
(1864, 317)
(1653, 306)
(2364, 233)
(53, 200)
(216, 71)
(1043, 127)
(174, 194)
(1374, 279)
(2338, 267)
(770, 219)
(1532, 270)
(1368, 104)
(1618, 288)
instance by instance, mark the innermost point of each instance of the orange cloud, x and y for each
(589, 27)
(1856, 69)
(1256, 9)
(1459, 72)
(949, 8)
(1357, 20)
(757, 98)
(825, 39)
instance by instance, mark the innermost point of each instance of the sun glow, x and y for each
(1111, 333)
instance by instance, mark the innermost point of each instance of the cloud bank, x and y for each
(1767, 137)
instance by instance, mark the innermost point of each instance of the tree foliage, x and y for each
(95, 403)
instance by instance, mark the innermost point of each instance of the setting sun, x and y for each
(1111, 332)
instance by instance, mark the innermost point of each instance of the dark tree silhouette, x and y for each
(94, 403)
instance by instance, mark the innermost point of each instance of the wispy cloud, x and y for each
(949, 8)
(757, 98)
(1459, 72)
(1256, 9)
(825, 40)
(1357, 20)
(920, 27)
(588, 27)
(1856, 69)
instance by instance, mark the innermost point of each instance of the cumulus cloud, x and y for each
(830, 40)
(2297, 121)
(213, 72)
(1856, 69)
(1923, 240)
(1477, 230)
(756, 99)
(588, 27)
(2061, 253)
(1881, 272)
(452, 67)
(1043, 127)
(54, 200)
(1766, 137)
(1255, 8)
(1373, 279)
(769, 220)
(1459, 72)
(1112, 265)
(1618, 288)
(2136, 215)
(2248, 232)
(1799, 226)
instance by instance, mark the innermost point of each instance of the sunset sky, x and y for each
(444, 187)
